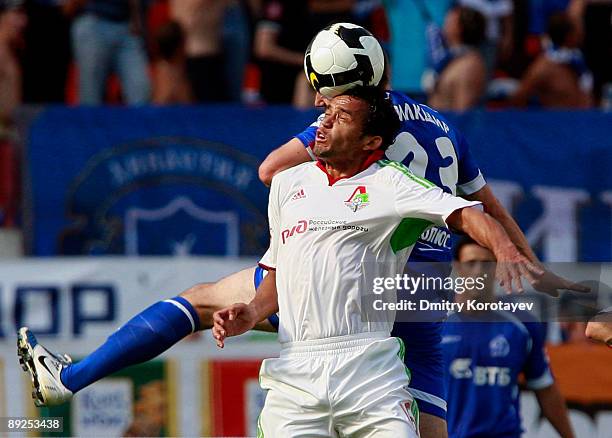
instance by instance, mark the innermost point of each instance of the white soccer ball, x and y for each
(342, 56)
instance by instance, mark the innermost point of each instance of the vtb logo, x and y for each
(300, 228)
(358, 200)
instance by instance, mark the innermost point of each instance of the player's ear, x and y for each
(372, 142)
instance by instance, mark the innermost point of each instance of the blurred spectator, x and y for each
(281, 38)
(499, 16)
(321, 13)
(407, 21)
(12, 24)
(107, 38)
(170, 84)
(598, 42)
(461, 81)
(558, 78)
(47, 54)
(202, 22)
(236, 46)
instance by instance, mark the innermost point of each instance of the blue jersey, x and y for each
(431, 148)
(482, 362)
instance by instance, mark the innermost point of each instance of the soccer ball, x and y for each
(342, 56)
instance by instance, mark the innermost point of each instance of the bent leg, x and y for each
(159, 327)
(207, 298)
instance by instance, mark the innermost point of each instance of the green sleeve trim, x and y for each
(408, 232)
(403, 169)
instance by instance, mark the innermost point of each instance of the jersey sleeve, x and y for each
(537, 371)
(419, 198)
(307, 136)
(470, 179)
(268, 261)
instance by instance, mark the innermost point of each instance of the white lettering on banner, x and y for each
(131, 167)
(507, 192)
(86, 297)
(557, 228)
(104, 409)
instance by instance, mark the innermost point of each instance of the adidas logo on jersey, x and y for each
(298, 195)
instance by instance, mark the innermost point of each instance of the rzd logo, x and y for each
(300, 228)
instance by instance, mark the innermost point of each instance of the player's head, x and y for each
(356, 123)
(474, 261)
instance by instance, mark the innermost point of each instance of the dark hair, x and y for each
(559, 28)
(463, 241)
(169, 38)
(473, 26)
(381, 119)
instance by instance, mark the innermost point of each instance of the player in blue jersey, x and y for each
(484, 353)
(431, 148)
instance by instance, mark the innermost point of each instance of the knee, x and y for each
(201, 298)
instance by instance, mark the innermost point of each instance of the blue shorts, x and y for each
(423, 357)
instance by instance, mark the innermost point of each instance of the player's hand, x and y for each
(552, 284)
(512, 267)
(234, 320)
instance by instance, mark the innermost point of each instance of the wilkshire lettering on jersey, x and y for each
(419, 112)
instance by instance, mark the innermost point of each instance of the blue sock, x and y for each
(143, 337)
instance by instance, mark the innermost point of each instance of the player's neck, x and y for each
(342, 169)
(346, 167)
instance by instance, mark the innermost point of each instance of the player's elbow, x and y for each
(266, 172)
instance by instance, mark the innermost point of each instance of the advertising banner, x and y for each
(178, 181)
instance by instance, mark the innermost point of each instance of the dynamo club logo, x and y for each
(167, 196)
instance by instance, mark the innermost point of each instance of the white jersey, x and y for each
(329, 240)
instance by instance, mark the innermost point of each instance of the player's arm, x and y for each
(600, 327)
(288, 155)
(239, 318)
(417, 198)
(554, 409)
(549, 283)
(539, 378)
(266, 46)
(492, 206)
(484, 229)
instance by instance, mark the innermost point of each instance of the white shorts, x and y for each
(352, 385)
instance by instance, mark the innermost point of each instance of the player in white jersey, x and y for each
(337, 225)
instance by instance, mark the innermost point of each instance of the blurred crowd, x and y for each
(455, 54)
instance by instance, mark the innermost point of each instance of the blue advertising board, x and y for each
(163, 181)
